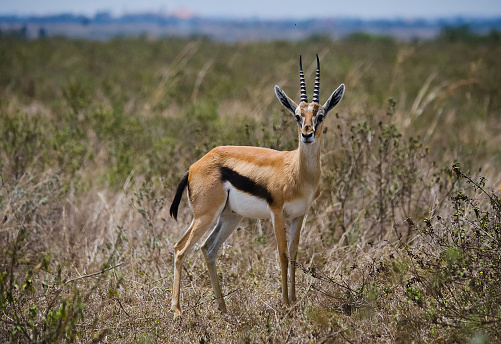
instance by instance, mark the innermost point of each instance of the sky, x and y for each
(263, 9)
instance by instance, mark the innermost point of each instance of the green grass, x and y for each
(401, 245)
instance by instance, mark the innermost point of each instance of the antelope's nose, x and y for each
(307, 136)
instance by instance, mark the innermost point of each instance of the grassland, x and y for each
(403, 244)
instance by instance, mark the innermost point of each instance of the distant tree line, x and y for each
(464, 33)
(457, 33)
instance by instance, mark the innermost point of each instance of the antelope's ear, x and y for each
(285, 100)
(334, 99)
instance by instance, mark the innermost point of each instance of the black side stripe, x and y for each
(245, 184)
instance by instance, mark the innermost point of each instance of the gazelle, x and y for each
(230, 183)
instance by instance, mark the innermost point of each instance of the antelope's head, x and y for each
(309, 116)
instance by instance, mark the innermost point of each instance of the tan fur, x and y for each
(285, 174)
(308, 111)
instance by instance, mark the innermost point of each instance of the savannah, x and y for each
(403, 244)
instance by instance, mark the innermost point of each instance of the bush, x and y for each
(457, 269)
(33, 306)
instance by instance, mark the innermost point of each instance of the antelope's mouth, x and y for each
(307, 138)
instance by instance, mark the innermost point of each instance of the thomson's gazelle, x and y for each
(230, 183)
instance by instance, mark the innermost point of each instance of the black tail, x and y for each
(177, 199)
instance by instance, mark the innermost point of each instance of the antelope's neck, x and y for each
(309, 161)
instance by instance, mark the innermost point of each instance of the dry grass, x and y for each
(92, 151)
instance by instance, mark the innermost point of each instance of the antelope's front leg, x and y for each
(295, 232)
(279, 227)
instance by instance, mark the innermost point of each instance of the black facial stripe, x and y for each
(299, 120)
(318, 120)
(245, 184)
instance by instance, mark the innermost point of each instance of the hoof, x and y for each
(223, 309)
(177, 312)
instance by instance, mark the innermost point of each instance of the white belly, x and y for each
(247, 205)
(254, 207)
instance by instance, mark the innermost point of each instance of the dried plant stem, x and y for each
(95, 273)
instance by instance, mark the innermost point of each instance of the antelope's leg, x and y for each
(227, 223)
(280, 235)
(197, 228)
(295, 232)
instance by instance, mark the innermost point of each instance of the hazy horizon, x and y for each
(259, 9)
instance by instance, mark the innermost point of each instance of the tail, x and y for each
(177, 199)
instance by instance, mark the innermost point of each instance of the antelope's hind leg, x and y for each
(199, 225)
(226, 224)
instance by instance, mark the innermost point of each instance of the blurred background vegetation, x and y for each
(95, 136)
(132, 104)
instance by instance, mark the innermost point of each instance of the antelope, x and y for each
(231, 182)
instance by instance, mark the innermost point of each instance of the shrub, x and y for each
(457, 268)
